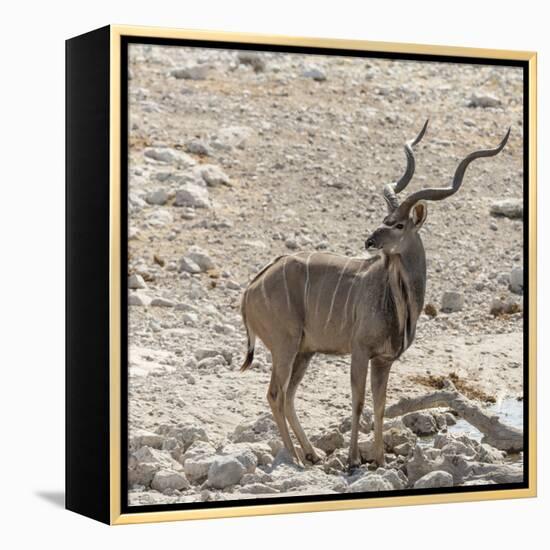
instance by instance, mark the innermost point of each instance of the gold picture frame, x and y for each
(116, 516)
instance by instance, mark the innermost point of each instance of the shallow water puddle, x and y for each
(509, 410)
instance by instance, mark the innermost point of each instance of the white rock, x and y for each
(197, 147)
(315, 73)
(452, 301)
(328, 441)
(188, 265)
(435, 479)
(232, 285)
(201, 258)
(230, 137)
(244, 454)
(160, 217)
(193, 195)
(136, 281)
(145, 462)
(169, 156)
(138, 299)
(508, 208)
(224, 472)
(197, 461)
(188, 435)
(158, 197)
(141, 438)
(396, 478)
(370, 482)
(168, 479)
(194, 72)
(212, 175)
(483, 100)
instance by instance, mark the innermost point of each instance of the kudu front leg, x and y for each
(380, 371)
(359, 370)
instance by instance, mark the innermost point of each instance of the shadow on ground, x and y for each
(57, 498)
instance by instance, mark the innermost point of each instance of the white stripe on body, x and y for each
(344, 316)
(285, 282)
(336, 291)
(306, 288)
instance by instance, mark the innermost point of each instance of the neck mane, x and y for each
(406, 288)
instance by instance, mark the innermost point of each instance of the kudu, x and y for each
(318, 302)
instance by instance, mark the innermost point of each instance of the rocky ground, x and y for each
(238, 158)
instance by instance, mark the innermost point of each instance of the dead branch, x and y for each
(497, 433)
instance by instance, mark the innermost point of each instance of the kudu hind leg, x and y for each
(276, 395)
(380, 371)
(359, 370)
(299, 369)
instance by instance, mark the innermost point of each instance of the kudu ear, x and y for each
(419, 213)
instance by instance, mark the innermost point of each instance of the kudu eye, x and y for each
(399, 226)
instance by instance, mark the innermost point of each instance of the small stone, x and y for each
(452, 301)
(450, 419)
(483, 100)
(224, 472)
(370, 483)
(430, 310)
(141, 438)
(201, 258)
(168, 479)
(230, 137)
(500, 307)
(193, 195)
(329, 441)
(507, 208)
(232, 285)
(158, 197)
(435, 479)
(159, 260)
(169, 156)
(197, 460)
(138, 299)
(253, 59)
(195, 72)
(420, 422)
(367, 449)
(197, 147)
(189, 319)
(188, 265)
(136, 281)
(162, 302)
(315, 73)
(212, 175)
(291, 244)
(516, 280)
(244, 454)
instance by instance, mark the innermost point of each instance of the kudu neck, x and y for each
(412, 261)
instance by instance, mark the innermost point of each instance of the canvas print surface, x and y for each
(304, 193)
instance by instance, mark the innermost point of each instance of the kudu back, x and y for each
(319, 302)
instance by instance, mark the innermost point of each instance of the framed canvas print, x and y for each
(300, 274)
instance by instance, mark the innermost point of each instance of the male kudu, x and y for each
(318, 302)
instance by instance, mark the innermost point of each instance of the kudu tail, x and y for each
(251, 339)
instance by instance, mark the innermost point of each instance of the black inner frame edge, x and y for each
(124, 150)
